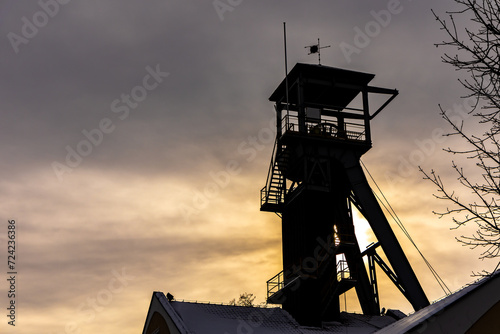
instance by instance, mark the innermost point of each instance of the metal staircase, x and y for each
(273, 193)
(341, 282)
(326, 258)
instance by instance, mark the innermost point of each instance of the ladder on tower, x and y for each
(273, 193)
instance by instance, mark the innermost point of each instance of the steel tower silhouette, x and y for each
(314, 180)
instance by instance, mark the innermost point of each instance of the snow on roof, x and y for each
(461, 309)
(414, 320)
(234, 319)
(228, 319)
(167, 306)
(354, 323)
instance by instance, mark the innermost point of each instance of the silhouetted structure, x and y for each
(474, 309)
(314, 179)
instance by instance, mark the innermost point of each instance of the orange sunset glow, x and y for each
(136, 137)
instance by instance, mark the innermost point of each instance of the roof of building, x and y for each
(241, 319)
(426, 316)
(215, 318)
(477, 305)
(325, 85)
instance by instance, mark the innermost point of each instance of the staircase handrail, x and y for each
(269, 173)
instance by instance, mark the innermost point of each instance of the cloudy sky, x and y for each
(134, 147)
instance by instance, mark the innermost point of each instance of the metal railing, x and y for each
(343, 271)
(275, 284)
(327, 128)
(268, 195)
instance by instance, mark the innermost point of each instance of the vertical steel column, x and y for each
(302, 109)
(278, 121)
(366, 110)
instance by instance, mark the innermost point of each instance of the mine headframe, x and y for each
(314, 179)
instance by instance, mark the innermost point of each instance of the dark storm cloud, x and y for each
(89, 54)
(66, 78)
(119, 207)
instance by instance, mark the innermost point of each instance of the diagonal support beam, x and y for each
(375, 216)
(392, 276)
(373, 280)
(373, 257)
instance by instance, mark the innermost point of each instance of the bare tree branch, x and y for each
(476, 52)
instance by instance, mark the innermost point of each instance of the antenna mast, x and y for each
(286, 68)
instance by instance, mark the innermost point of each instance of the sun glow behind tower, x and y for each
(362, 229)
(315, 179)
